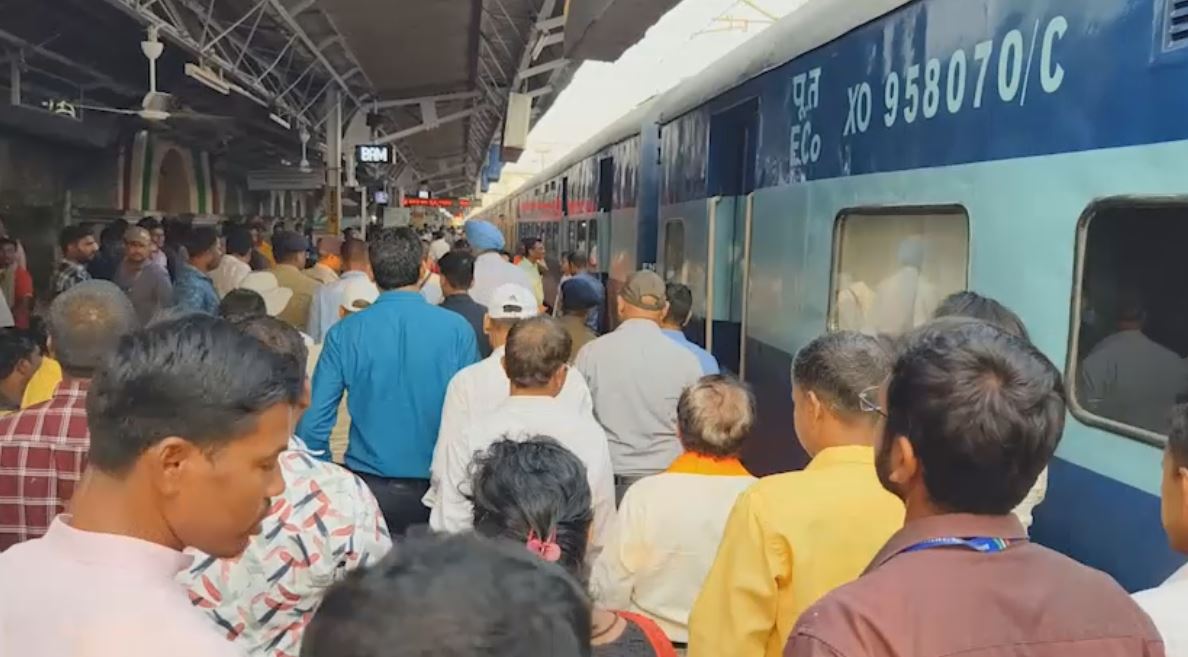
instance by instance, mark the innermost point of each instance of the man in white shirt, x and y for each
(325, 312)
(234, 267)
(479, 389)
(669, 525)
(636, 375)
(490, 269)
(1166, 604)
(1129, 377)
(535, 359)
(439, 246)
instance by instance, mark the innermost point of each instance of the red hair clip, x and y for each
(546, 549)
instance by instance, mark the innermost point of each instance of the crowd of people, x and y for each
(235, 443)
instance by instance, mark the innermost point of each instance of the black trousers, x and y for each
(622, 483)
(399, 501)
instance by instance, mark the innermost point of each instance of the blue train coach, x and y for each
(862, 159)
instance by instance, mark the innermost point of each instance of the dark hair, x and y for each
(576, 259)
(438, 234)
(983, 410)
(461, 244)
(396, 257)
(457, 267)
(71, 235)
(715, 416)
(1177, 438)
(15, 346)
(354, 250)
(976, 306)
(196, 377)
(113, 232)
(459, 595)
(536, 348)
(149, 223)
(838, 366)
(280, 337)
(200, 240)
(536, 486)
(680, 302)
(285, 244)
(241, 303)
(239, 241)
(86, 323)
(529, 243)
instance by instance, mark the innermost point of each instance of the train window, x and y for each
(1126, 364)
(674, 250)
(893, 266)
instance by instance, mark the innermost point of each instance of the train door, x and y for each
(597, 241)
(732, 151)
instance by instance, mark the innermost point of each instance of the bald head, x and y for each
(536, 351)
(86, 323)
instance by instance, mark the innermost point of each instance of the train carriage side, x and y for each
(928, 146)
(590, 202)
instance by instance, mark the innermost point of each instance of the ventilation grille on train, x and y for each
(1177, 24)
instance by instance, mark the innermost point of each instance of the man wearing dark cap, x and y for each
(579, 300)
(289, 249)
(636, 375)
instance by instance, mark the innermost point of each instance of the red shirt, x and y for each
(43, 451)
(22, 292)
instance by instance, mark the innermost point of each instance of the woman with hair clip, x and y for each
(535, 493)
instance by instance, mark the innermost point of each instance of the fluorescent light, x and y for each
(208, 78)
(279, 120)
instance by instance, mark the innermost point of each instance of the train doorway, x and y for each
(732, 162)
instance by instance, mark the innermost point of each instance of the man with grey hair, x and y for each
(794, 537)
(43, 447)
(670, 524)
(535, 359)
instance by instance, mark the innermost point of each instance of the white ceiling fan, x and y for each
(156, 106)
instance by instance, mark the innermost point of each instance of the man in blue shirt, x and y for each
(193, 290)
(397, 358)
(680, 311)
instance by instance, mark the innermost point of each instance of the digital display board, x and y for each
(382, 198)
(373, 154)
(414, 202)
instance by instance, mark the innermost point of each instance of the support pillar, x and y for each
(333, 162)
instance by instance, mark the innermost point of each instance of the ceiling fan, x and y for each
(156, 107)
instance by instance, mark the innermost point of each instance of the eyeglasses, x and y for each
(868, 401)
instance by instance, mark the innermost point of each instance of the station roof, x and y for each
(433, 76)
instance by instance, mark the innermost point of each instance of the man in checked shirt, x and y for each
(43, 448)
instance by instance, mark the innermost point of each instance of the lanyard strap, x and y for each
(983, 544)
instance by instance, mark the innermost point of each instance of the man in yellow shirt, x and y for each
(794, 537)
(45, 380)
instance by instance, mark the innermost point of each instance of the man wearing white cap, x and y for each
(482, 387)
(533, 354)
